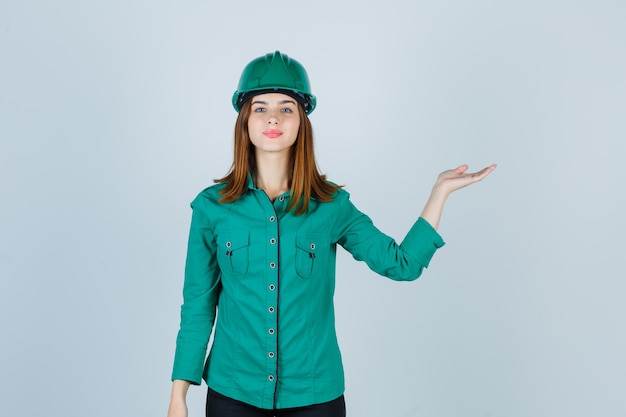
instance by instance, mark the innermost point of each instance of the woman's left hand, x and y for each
(455, 179)
(447, 182)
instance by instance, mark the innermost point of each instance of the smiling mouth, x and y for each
(272, 133)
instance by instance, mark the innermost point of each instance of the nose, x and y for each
(272, 117)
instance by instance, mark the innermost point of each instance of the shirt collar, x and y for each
(252, 186)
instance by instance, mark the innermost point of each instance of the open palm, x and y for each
(454, 179)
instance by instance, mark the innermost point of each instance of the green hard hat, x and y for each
(275, 73)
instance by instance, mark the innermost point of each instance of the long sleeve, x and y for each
(405, 261)
(200, 296)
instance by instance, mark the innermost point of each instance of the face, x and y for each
(273, 123)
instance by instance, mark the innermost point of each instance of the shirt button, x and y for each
(271, 331)
(272, 218)
(273, 241)
(281, 198)
(228, 244)
(271, 309)
(271, 377)
(271, 354)
(272, 287)
(272, 264)
(312, 246)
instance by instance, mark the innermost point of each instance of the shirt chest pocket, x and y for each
(233, 252)
(310, 255)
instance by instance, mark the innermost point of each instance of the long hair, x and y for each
(305, 179)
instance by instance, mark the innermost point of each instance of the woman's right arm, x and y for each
(201, 291)
(178, 400)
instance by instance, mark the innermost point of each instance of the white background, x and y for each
(115, 114)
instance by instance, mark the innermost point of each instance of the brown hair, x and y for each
(306, 180)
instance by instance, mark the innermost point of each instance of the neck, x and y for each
(272, 173)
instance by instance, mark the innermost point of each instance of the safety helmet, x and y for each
(275, 73)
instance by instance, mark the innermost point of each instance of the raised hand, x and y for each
(454, 179)
(448, 182)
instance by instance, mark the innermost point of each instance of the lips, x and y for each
(272, 133)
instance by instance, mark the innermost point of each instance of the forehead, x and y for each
(273, 98)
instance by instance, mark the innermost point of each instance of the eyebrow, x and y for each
(280, 102)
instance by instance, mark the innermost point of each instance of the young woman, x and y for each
(261, 254)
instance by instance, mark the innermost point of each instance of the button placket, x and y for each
(272, 265)
(272, 299)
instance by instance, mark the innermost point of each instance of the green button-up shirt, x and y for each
(271, 277)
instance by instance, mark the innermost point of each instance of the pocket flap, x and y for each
(233, 240)
(310, 242)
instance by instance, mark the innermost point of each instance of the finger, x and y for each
(487, 170)
(484, 172)
(461, 169)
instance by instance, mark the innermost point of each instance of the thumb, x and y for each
(461, 169)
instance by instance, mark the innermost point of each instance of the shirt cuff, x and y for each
(189, 365)
(422, 241)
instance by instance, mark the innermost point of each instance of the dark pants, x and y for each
(218, 405)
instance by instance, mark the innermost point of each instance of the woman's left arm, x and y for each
(448, 182)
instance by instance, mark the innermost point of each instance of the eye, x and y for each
(259, 110)
(286, 110)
